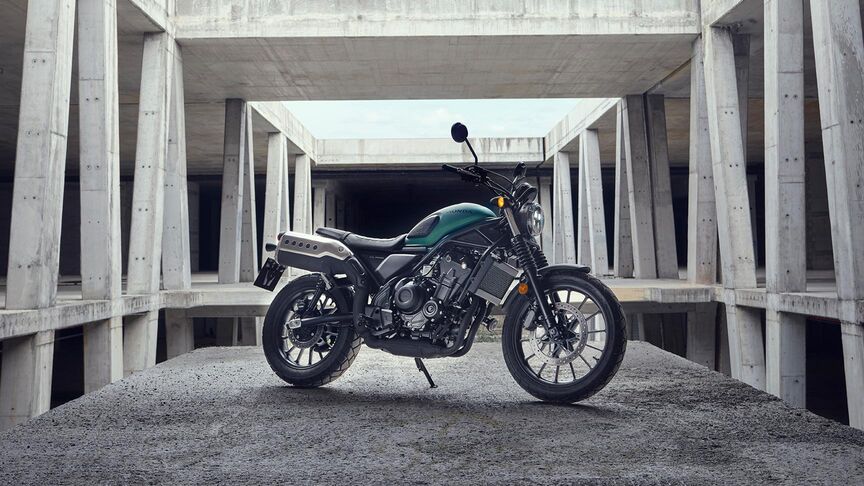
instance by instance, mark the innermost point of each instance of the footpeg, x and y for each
(422, 367)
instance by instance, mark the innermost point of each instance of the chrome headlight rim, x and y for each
(533, 218)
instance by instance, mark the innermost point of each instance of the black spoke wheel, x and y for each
(579, 357)
(308, 356)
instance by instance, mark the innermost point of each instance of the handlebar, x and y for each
(466, 175)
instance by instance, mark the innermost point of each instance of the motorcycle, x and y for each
(424, 294)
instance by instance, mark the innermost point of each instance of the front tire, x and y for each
(593, 344)
(308, 357)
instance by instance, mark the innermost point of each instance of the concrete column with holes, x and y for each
(303, 194)
(785, 250)
(639, 192)
(99, 176)
(248, 231)
(744, 325)
(274, 199)
(583, 232)
(839, 53)
(623, 245)
(231, 218)
(661, 188)
(177, 232)
(148, 197)
(285, 199)
(701, 218)
(563, 238)
(596, 219)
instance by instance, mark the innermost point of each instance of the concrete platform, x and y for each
(220, 415)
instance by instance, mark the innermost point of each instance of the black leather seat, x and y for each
(363, 243)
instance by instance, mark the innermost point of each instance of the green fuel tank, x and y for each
(446, 221)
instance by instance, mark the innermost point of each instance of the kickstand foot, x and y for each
(422, 367)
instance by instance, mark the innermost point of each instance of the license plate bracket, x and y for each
(269, 275)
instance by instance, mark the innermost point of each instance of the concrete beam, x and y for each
(623, 246)
(426, 153)
(401, 18)
(638, 173)
(249, 232)
(563, 235)
(176, 252)
(25, 385)
(733, 207)
(785, 218)
(145, 240)
(564, 134)
(839, 53)
(302, 194)
(231, 220)
(661, 188)
(159, 12)
(701, 202)
(274, 200)
(40, 166)
(596, 219)
(281, 120)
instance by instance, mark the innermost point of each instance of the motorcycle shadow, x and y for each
(424, 398)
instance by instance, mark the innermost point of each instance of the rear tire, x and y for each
(340, 343)
(604, 366)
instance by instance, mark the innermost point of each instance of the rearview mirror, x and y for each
(459, 132)
(519, 171)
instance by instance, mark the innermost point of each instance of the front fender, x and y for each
(543, 272)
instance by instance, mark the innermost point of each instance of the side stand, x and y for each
(422, 367)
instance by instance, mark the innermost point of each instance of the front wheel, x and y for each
(588, 346)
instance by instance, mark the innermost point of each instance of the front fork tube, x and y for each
(530, 269)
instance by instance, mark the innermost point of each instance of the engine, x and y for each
(424, 305)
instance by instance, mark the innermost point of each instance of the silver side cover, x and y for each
(313, 246)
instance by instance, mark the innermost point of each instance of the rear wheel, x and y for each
(308, 356)
(587, 350)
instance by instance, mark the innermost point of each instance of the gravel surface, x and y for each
(219, 415)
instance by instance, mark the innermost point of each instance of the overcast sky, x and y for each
(432, 118)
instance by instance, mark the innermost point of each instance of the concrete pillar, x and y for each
(250, 331)
(319, 206)
(638, 188)
(785, 217)
(99, 174)
(701, 205)
(733, 208)
(702, 336)
(303, 194)
(285, 200)
(623, 246)
(249, 232)
(661, 186)
(544, 187)
(741, 51)
(596, 218)
(563, 239)
(231, 217)
(583, 232)
(176, 254)
(43, 121)
(839, 53)
(340, 212)
(179, 333)
(103, 353)
(274, 200)
(25, 387)
(145, 234)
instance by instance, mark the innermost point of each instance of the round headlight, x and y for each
(532, 216)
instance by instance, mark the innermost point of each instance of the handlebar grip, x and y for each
(450, 168)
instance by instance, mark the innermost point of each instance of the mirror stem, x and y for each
(476, 160)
